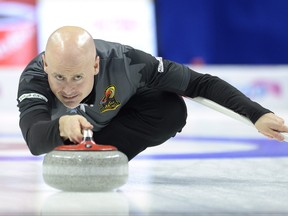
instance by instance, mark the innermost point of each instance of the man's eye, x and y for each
(59, 77)
(78, 77)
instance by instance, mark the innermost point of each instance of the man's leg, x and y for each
(148, 119)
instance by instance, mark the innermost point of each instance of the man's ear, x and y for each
(96, 65)
(44, 62)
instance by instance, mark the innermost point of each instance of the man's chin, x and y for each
(71, 105)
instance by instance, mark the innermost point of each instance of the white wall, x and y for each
(129, 22)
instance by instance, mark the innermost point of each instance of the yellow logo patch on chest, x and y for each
(108, 102)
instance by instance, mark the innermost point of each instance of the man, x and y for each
(129, 98)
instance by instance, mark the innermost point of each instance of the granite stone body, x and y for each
(85, 171)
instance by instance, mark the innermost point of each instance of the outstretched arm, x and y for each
(170, 76)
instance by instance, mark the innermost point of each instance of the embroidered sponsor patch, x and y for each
(160, 65)
(32, 95)
(108, 102)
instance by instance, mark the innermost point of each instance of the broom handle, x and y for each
(228, 112)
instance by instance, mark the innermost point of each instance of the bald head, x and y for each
(71, 45)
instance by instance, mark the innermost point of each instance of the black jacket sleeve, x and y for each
(221, 92)
(40, 133)
(170, 76)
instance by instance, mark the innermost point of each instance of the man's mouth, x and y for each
(65, 97)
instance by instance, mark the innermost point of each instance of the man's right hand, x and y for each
(71, 127)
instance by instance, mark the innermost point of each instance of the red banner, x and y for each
(18, 32)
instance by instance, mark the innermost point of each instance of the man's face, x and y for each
(71, 83)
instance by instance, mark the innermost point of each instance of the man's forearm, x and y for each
(41, 136)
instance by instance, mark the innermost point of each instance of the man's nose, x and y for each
(68, 88)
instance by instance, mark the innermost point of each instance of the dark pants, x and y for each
(148, 119)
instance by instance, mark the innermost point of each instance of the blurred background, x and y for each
(242, 41)
(223, 31)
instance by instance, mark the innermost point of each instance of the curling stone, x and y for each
(85, 167)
